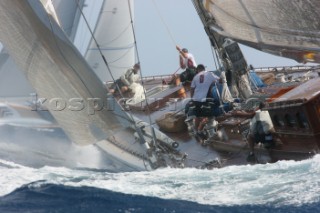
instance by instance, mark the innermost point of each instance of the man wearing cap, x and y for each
(188, 63)
(186, 59)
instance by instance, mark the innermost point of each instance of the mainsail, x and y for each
(289, 28)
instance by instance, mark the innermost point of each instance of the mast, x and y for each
(229, 53)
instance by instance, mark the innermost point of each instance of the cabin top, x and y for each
(298, 95)
(307, 91)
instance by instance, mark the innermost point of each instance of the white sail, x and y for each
(115, 37)
(281, 27)
(110, 23)
(74, 94)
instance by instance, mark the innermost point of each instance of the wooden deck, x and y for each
(234, 152)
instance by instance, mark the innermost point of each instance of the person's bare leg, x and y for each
(202, 123)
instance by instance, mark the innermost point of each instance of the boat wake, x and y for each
(37, 148)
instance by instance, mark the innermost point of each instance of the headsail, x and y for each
(58, 72)
(289, 28)
(110, 23)
(75, 95)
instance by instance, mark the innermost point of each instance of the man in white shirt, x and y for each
(187, 63)
(200, 86)
(186, 59)
(261, 130)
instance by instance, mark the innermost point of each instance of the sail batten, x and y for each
(59, 74)
(288, 28)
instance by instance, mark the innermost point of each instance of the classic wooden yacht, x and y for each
(293, 118)
(69, 79)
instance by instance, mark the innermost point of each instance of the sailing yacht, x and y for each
(66, 55)
(75, 95)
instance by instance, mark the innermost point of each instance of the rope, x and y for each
(176, 70)
(164, 23)
(166, 27)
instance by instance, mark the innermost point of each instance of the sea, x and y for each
(51, 180)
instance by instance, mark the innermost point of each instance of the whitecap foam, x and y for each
(281, 183)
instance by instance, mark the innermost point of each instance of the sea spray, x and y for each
(278, 184)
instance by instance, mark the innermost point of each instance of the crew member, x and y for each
(261, 130)
(187, 63)
(200, 87)
(128, 78)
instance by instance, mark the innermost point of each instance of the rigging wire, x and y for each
(99, 49)
(94, 39)
(109, 70)
(145, 94)
(73, 68)
(105, 61)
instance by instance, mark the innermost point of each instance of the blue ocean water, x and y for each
(285, 186)
(59, 177)
(60, 198)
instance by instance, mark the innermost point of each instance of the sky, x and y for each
(160, 25)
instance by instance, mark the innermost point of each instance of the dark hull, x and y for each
(263, 155)
(234, 146)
